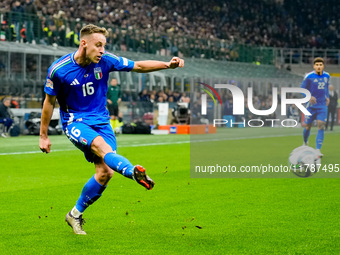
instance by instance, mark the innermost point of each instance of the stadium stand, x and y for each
(274, 23)
(23, 68)
(214, 37)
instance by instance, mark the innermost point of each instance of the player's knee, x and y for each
(321, 125)
(308, 126)
(109, 174)
(96, 143)
(100, 147)
(103, 172)
(104, 175)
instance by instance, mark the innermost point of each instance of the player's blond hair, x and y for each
(316, 60)
(91, 29)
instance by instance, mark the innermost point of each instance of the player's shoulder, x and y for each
(110, 56)
(308, 75)
(59, 64)
(114, 58)
(62, 59)
(326, 74)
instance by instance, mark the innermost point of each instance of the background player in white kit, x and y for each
(79, 82)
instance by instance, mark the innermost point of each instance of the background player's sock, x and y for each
(90, 193)
(119, 164)
(306, 135)
(319, 138)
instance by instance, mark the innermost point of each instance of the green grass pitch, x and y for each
(181, 215)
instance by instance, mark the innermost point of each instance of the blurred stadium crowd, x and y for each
(277, 23)
(214, 29)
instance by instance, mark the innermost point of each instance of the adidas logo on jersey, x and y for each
(75, 82)
(316, 80)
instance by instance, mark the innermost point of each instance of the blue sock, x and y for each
(319, 138)
(90, 193)
(119, 164)
(306, 135)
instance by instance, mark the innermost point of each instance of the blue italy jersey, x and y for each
(318, 87)
(81, 90)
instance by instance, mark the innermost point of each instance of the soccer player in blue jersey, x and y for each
(317, 83)
(79, 82)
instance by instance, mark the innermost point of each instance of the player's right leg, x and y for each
(320, 137)
(306, 133)
(308, 121)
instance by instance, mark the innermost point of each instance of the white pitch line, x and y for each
(32, 152)
(163, 143)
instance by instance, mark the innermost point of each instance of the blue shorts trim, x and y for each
(317, 114)
(82, 135)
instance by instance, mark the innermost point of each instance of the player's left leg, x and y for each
(91, 192)
(95, 186)
(82, 135)
(321, 123)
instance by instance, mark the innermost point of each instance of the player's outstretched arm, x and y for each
(46, 115)
(153, 65)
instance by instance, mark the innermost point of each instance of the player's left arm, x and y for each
(108, 95)
(119, 94)
(306, 85)
(327, 93)
(153, 65)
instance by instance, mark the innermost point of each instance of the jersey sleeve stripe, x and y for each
(111, 55)
(308, 74)
(59, 62)
(68, 62)
(57, 65)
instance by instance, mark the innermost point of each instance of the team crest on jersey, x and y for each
(98, 73)
(49, 84)
(83, 141)
(325, 79)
